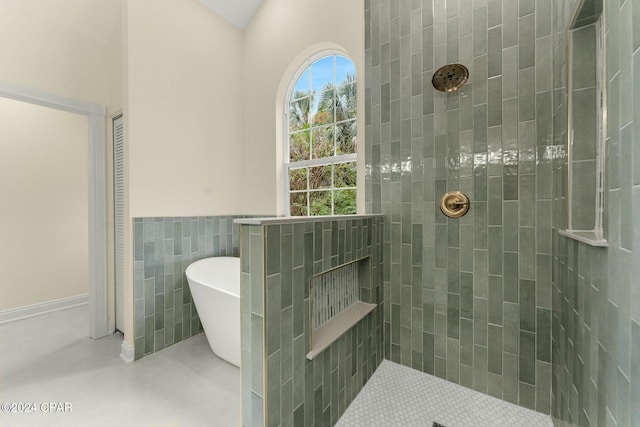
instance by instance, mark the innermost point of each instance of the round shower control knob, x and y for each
(454, 204)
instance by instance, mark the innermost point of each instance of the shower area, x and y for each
(508, 301)
(498, 300)
(468, 299)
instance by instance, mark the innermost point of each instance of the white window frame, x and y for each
(325, 161)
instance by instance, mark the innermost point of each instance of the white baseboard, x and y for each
(27, 311)
(127, 352)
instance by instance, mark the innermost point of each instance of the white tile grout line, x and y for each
(400, 396)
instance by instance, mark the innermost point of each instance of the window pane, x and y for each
(302, 85)
(345, 70)
(347, 103)
(346, 138)
(322, 124)
(298, 204)
(322, 73)
(320, 203)
(322, 143)
(345, 202)
(298, 179)
(320, 177)
(324, 113)
(299, 146)
(299, 114)
(345, 175)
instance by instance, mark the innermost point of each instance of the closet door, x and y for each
(118, 203)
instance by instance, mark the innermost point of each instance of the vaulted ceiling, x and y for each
(237, 12)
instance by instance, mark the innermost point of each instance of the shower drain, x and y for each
(437, 424)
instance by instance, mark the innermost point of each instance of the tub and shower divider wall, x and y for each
(164, 312)
(288, 377)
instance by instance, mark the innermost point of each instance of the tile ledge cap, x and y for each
(588, 237)
(295, 219)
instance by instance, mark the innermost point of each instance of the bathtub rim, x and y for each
(206, 260)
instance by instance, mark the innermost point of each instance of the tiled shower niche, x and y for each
(337, 303)
(164, 247)
(333, 292)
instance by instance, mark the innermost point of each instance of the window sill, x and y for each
(328, 333)
(590, 238)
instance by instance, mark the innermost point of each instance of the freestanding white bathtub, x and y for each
(215, 288)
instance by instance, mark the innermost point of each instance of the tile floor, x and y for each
(50, 359)
(400, 396)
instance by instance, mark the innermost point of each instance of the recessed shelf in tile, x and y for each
(333, 329)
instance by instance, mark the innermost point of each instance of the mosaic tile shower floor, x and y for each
(400, 396)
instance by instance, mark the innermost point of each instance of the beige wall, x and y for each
(184, 110)
(69, 48)
(182, 85)
(199, 95)
(64, 47)
(276, 43)
(43, 220)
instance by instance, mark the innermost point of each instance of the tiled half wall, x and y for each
(279, 385)
(163, 249)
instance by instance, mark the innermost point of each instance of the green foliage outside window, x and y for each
(321, 126)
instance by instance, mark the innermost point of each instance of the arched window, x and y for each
(321, 139)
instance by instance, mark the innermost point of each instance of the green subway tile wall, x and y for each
(596, 291)
(468, 299)
(163, 249)
(279, 385)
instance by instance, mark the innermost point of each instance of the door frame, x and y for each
(97, 192)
